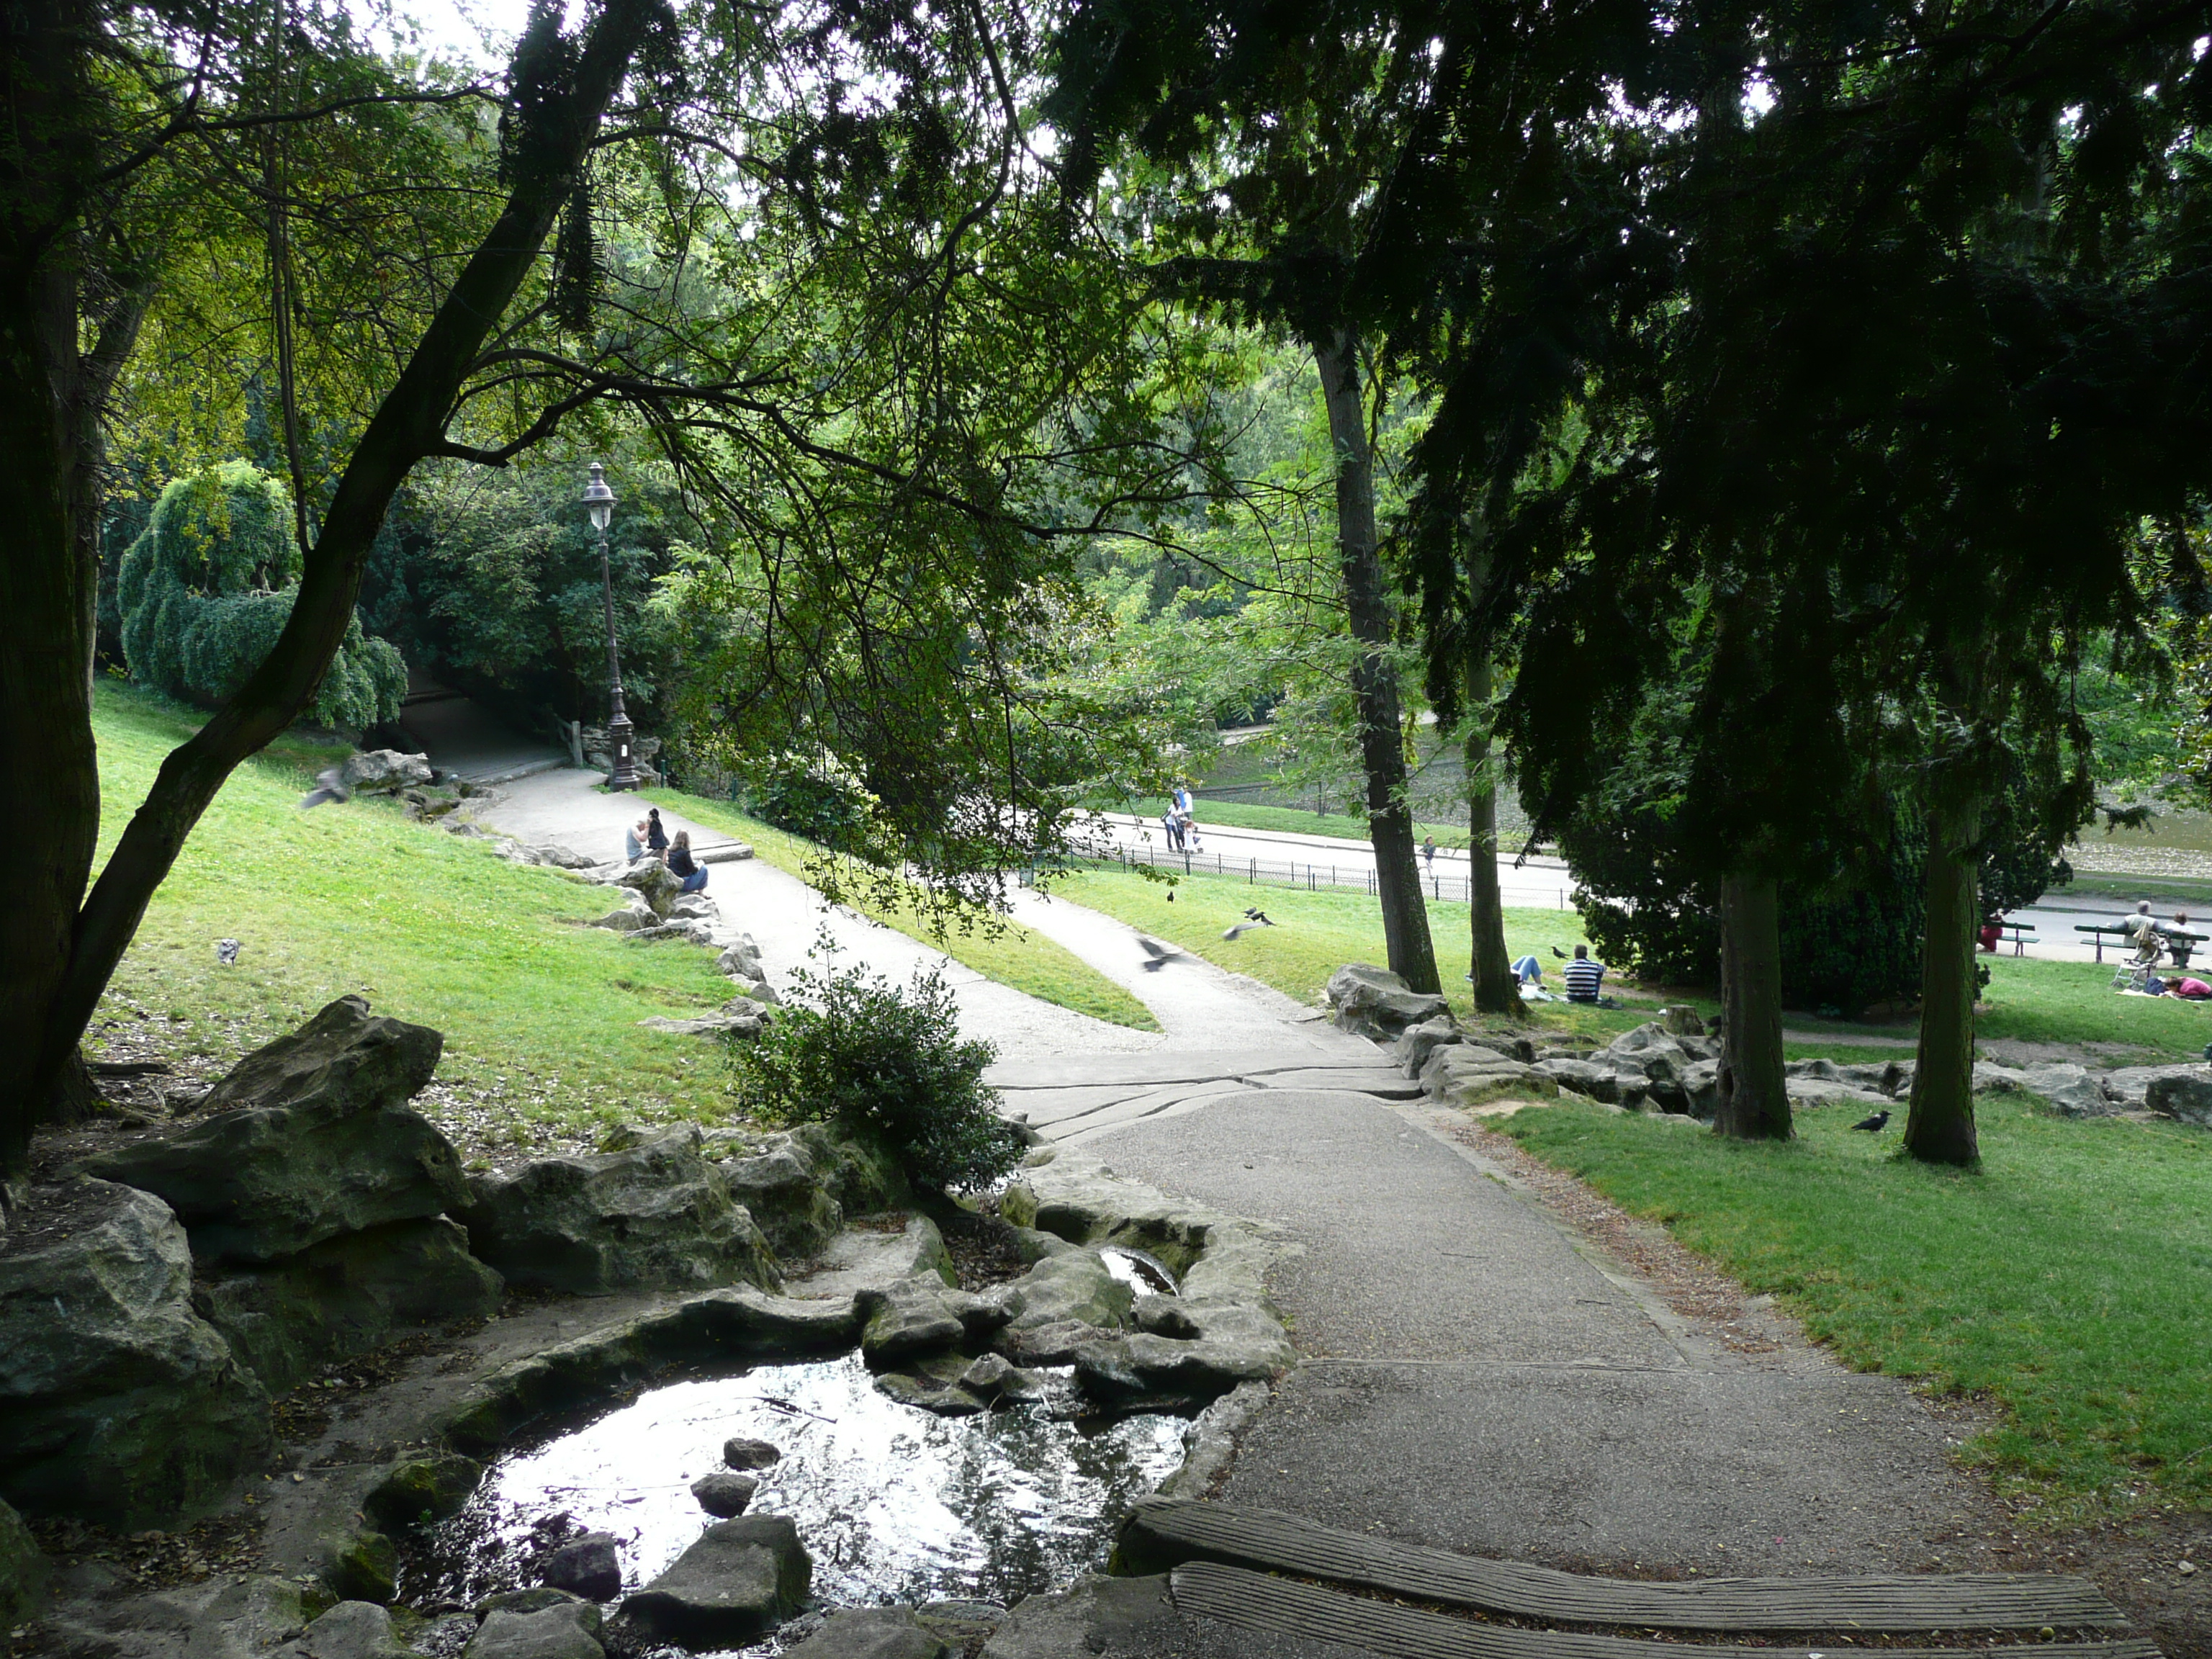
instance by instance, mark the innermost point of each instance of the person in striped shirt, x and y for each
(1583, 976)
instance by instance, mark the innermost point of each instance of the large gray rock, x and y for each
(565, 1631)
(1465, 1075)
(590, 1566)
(741, 1580)
(724, 1494)
(1229, 1342)
(654, 881)
(628, 917)
(870, 1633)
(788, 1201)
(385, 771)
(2076, 1091)
(346, 1296)
(741, 960)
(1589, 1079)
(1069, 1285)
(741, 1019)
(1374, 1002)
(351, 1630)
(25, 1575)
(916, 1317)
(1096, 1614)
(122, 1405)
(2186, 1095)
(657, 1213)
(315, 1143)
(2129, 1087)
(864, 1178)
(1417, 1042)
(419, 1491)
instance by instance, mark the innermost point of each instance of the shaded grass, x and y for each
(2069, 1278)
(1319, 931)
(540, 1014)
(993, 946)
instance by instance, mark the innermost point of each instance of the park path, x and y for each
(1473, 1376)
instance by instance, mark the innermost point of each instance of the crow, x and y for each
(1558, 952)
(1872, 1125)
(1252, 919)
(1161, 954)
(1259, 916)
(330, 785)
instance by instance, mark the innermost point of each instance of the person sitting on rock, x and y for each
(1583, 976)
(655, 837)
(681, 863)
(633, 840)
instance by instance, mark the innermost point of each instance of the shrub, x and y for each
(886, 1065)
(207, 587)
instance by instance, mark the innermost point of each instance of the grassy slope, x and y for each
(2070, 1278)
(1013, 956)
(540, 1015)
(1319, 931)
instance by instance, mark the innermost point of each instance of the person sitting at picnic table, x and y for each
(681, 863)
(1583, 976)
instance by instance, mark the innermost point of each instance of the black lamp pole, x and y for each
(599, 502)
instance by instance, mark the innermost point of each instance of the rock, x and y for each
(1096, 1615)
(1814, 1092)
(741, 1020)
(990, 1376)
(1073, 1284)
(1236, 1343)
(386, 772)
(360, 1564)
(570, 1630)
(1052, 1345)
(1375, 1002)
(741, 1580)
(723, 1494)
(313, 1142)
(1679, 1021)
(864, 1178)
(1701, 1091)
(351, 1630)
(25, 1575)
(693, 907)
(632, 913)
(959, 1623)
(741, 960)
(920, 1386)
(742, 1453)
(346, 1296)
(2130, 1086)
(654, 1214)
(590, 1566)
(1587, 1077)
(536, 1598)
(2072, 1089)
(871, 1633)
(2184, 1095)
(914, 1317)
(422, 1490)
(690, 930)
(653, 881)
(1414, 1045)
(780, 1191)
(1465, 1075)
(122, 1405)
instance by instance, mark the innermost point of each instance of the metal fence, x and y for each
(1268, 873)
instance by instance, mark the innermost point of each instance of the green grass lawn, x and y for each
(1320, 932)
(540, 1014)
(994, 948)
(2069, 1278)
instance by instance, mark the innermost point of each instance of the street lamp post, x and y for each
(599, 502)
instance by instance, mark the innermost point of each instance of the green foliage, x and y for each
(818, 800)
(207, 587)
(886, 1064)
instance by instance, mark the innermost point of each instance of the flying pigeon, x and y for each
(1161, 954)
(1872, 1125)
(330, 785)
(1252, 919)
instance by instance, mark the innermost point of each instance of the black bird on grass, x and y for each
(1558, 952)
(1872, 1125)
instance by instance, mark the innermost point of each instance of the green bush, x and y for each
(884, 1065)
(206, 589)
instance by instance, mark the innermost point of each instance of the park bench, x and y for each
(2180, 943)
(2016, 934)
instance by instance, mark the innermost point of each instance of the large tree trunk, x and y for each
(1374, 682)
(1496, 989)
(49, 782)
(1754, 1097)
(50, 987)
(1940, 1127)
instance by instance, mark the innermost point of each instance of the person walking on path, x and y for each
(656, 838)
(1171, 827)
(1429, 853)
(681, 863)
(1583, 976)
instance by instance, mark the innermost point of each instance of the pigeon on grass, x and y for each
(1872, 1125)
(330, 785)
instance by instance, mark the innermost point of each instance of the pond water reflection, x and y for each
(894, 1503)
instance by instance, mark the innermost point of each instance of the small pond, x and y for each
(894, 1503)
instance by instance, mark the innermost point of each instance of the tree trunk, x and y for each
(1754, 1098)
(1496, 989)
(1940, 1127)
(1406, 940)
(52, 972)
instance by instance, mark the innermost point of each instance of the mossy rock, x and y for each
(362, 1566)
(423, 1490)
(24, 1574)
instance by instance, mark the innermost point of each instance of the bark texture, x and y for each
(1754, 1095)
(1374, 682)
(1496, 990)
(1940, 1126)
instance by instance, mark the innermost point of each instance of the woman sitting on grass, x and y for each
(681, 863)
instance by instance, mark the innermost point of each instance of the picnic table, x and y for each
(2180, 943)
